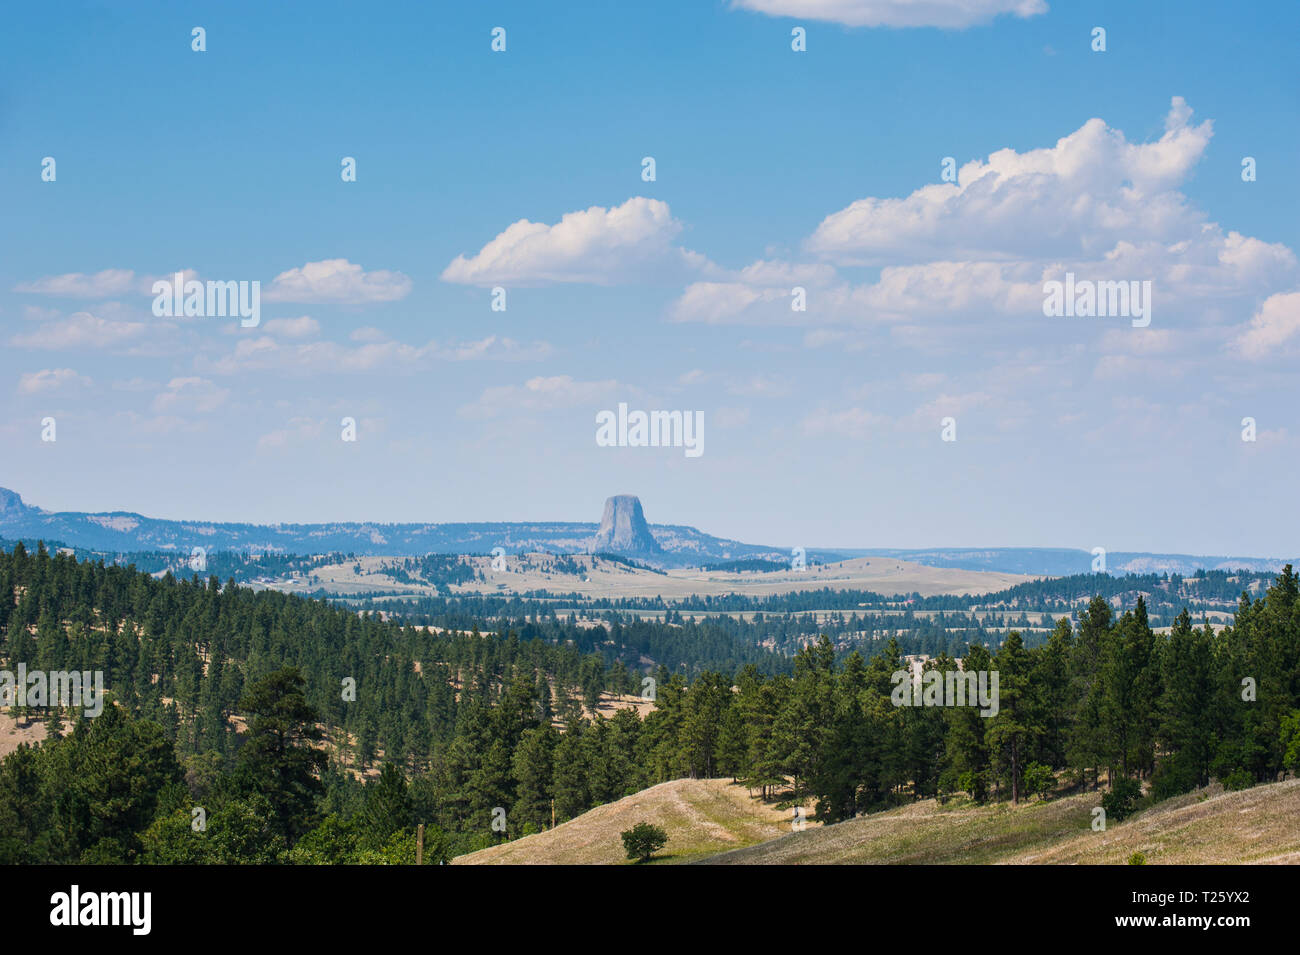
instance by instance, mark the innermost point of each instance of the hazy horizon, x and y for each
(652, 521)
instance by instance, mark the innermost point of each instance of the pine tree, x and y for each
(1011, 732)
(280, 759)
(532, 771)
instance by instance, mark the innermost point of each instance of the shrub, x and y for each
(1137, 858)
(643, 840)
(975, 784)
(1039, 780)
(1238, 779)
(1122, 799)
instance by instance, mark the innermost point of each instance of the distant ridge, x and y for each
(126, 532)
(1061, 562)
(623, 530)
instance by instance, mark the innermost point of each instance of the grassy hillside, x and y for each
(1209, 826)
(715, 822)
(1258, 825)
(701, 816)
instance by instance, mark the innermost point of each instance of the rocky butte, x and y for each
(623, 529)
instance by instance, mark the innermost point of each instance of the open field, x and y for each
(701, 817)
(600, 578)
(31, 731)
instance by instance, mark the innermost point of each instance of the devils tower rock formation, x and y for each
(623, 529)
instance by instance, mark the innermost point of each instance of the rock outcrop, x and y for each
(11, 505)
(623, 529)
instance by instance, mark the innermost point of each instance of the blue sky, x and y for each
(774, 169)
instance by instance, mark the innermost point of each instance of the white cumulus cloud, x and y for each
(1275, 324)
(596, 246)
(1079, 197)
(337, 282)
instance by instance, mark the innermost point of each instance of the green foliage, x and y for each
(230, 700)
(280, 759)
(1122, 799)
(1039, 780)
(1238, 779)
(643, 840)
(1290, 737)
(387, 810)
(1137, 858)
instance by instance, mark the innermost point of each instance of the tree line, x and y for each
(236, 702)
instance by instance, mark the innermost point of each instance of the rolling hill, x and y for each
(1209, 826)
(715, 822)
(701, 816)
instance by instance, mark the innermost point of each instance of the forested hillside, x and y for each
(241, 704)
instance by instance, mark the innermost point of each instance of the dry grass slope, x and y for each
(1257, 825)
(701, 817)
(1210, 826)
(608, 580)
(716, 822)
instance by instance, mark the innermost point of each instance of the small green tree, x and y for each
(1121, 801)
(643, 840)
(1039, 780)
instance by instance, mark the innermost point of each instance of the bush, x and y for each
(643, 840)
(1173, 778)
(1137, 858)
(1238, 779)
(1122, 799)
(948, 786)
(975, 784)
(1039, 780)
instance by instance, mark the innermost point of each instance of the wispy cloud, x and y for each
(190, 395)
(539, 394)
(374, 352)
(80, 285)
(50, 379)
(80, 330)
(949, 14)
